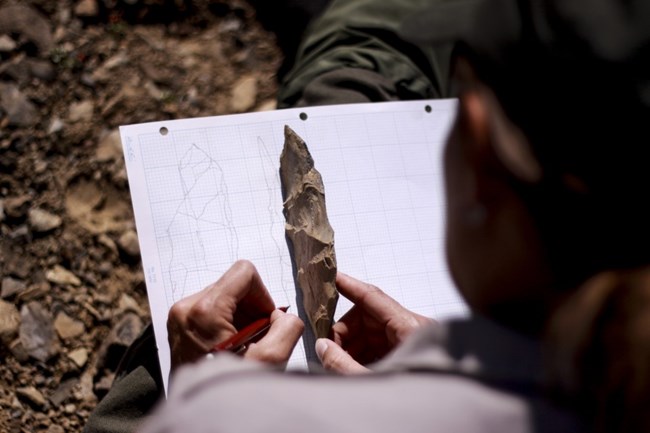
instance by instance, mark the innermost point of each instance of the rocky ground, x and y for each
(71, 72)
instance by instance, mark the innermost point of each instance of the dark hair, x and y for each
(573, 75)
(589, 131)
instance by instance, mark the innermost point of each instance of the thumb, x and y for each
(334, 358)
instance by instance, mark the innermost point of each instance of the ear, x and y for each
(472, 114)
(493, 132)
(511, 146)
(474, 119)
(490, 130)
(474, 123)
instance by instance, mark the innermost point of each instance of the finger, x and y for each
(349, 324)
(334, 358)
(376, 307)
(370, 298)
(240, 291)
(182, 328)
(278, 343)
(243, 284)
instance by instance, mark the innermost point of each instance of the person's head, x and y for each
(546, 169)
(546, 162)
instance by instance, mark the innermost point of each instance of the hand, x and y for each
(366, 333)
(200, 321)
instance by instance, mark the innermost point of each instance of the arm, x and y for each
(372, 328)
(137, 388)
(354, 53)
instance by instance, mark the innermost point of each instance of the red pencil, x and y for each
(246, 335)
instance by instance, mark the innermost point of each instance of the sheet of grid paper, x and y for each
(206, 192)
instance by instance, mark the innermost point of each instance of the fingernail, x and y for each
(321, 347)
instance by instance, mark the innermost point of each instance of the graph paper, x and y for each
(206, 192)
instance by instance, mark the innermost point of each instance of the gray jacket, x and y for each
(463, 376)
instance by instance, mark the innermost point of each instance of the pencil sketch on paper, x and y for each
(198, 216)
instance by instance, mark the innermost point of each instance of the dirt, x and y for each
(72, 72)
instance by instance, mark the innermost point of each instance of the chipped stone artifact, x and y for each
(311, 235)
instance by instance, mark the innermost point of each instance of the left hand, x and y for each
(366, 333)
(197, 323)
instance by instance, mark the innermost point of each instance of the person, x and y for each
(547, 235)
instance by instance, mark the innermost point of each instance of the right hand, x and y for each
(200, 321)
(366, 333)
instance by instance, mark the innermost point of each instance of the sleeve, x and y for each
(136, 390)
(353, 53)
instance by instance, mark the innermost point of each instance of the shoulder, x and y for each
(226, 394)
